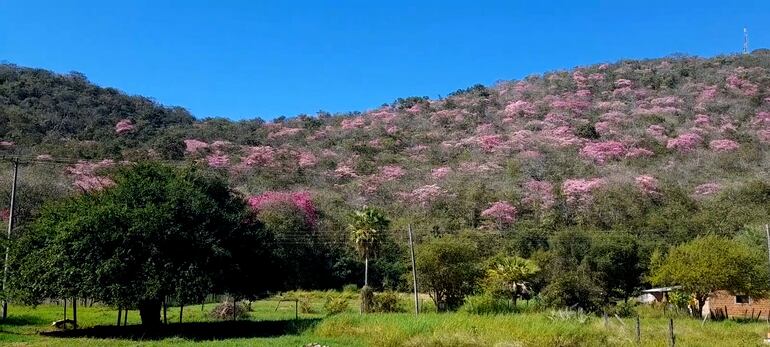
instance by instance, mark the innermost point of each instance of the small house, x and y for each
(724, 304)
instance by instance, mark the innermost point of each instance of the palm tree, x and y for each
(366, 230)
(511, 275)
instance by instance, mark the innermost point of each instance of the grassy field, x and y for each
(271, 324)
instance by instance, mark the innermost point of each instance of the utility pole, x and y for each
(414, 273)
(745, 41)
(10, 228)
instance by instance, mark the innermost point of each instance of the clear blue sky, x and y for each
(243, 59)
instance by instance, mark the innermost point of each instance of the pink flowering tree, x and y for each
(648, 185)
(124, 126)
(86, 177)
(578, 192)
(425, 195)
(684, 143)
(502, 213)
(218, 160)
(193, 146)
(539, 195)
(723, 146)
(601, 152)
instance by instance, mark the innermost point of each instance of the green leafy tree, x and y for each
(159, 232)
(712, 263)
(509, 276)
(615, 258)
(448, 268)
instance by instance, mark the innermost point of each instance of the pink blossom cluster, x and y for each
(307, 159)
(611, 105)
(257, 156)
(707, 189)
(686, 142)
(519, 108)
(440, 172)
(383, 115)
(742, 86)
(218, 160)
(44, 157)
(560, 137)
(391, 173)
(578, 191)
(724, 145)
(502, 212)
(648, 185)
(301, 200)
(571, 103)
(623, 87)
(425, 195)
(708, 94)
(353, 123)
(193, 146)
(485, 129)
(6, 144)
(658, 132)
(580, 79)
(86, 178)
(5, 214)
(491, 143)
(702, 120)
(639, 152)
(124, 126)
(539, 194)
(761, 120)
(601, 152)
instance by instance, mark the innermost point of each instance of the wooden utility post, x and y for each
(10, 229)
(638, 331)
(414, 273)
(671, 337)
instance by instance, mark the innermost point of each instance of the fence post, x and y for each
(606, 320)
(638, 331)
(671, 337)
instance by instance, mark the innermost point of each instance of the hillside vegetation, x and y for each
(656, 151)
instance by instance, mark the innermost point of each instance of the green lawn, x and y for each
(396, 329)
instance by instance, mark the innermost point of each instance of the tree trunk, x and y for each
(181, 310)
(149, 312)
(120, 315)
(366, 271)
(75, 312)
(701, 302)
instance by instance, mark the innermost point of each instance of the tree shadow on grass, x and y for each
(17, 320)
(193, 331)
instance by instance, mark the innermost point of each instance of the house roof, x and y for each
(662, 289)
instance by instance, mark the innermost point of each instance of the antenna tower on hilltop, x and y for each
(745, 41)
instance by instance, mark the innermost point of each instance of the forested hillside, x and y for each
(660, 150)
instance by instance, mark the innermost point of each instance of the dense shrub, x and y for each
(388, 302)
(224, 311)
(335, 304)
(486, 304)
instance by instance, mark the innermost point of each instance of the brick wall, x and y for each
(720, 300)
